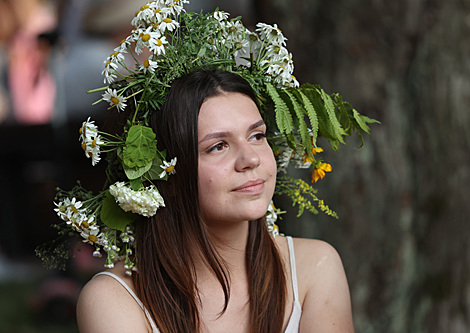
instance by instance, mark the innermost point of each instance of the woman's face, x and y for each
(237, 169)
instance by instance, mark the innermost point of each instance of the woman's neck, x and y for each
(230, 239)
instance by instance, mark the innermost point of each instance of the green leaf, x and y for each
(141, 146)
(136, 184)
(283, 117)
(113, 216)
(306, 140)
(201, 52)
(312, 115)
(338, 131)
(155, 170)
(362, 125)
(133, 173)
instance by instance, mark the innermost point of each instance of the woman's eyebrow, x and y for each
(256, 125)
(224, 134)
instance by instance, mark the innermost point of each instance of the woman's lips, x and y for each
(251, 187)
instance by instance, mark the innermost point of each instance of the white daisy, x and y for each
(149, 65)
(113, 99)
(109, 70)
(157, 45)
(168, 24)
(271, 34)
(143, 16)
(94, 154)
(91, 236)
(168, 168)
(220, 15)
(146, 38)
(88, 130)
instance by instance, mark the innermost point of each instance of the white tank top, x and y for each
(294, 320)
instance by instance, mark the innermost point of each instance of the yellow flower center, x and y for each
(144, 7)
(92, 238)
(107, 64)
(146, 63)
(80, 130)
(90, 154)
(74, 209)
(122, 41)
(158, 10)
(83, 145)
(168, 20)
(85, 224)
(170, 168)
(159, 42)
(115, 100)
(137, 13)
(93, 143)
(146, 38)
(155, 26)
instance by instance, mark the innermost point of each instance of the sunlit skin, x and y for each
(237, 169)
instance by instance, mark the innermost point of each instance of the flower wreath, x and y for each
(179, 42)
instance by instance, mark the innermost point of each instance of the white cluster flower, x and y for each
(90, 141)
(271, 218)
(111, 96)
(145, 202)
(284, 158)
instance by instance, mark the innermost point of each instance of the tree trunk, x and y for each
(401, 199)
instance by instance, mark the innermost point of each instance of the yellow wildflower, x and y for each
(319, 171)
(308, 159)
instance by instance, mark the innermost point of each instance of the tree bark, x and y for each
(402, 199)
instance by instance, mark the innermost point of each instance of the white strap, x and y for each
(290, 243)
(118, 279)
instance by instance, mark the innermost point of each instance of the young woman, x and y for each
(206, 262)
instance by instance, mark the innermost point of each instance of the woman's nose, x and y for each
(247, 158)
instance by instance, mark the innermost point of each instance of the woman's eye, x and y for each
(259, 136)
(218, 147)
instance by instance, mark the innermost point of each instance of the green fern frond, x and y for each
(312, 116)
(303, 131)
(283, 117)
(338, 131)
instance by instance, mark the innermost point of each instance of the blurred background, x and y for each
(402, 199)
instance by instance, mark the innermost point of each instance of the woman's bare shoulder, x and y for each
(105, 305)
(326, 303)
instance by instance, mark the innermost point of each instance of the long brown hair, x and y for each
(165, 244)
